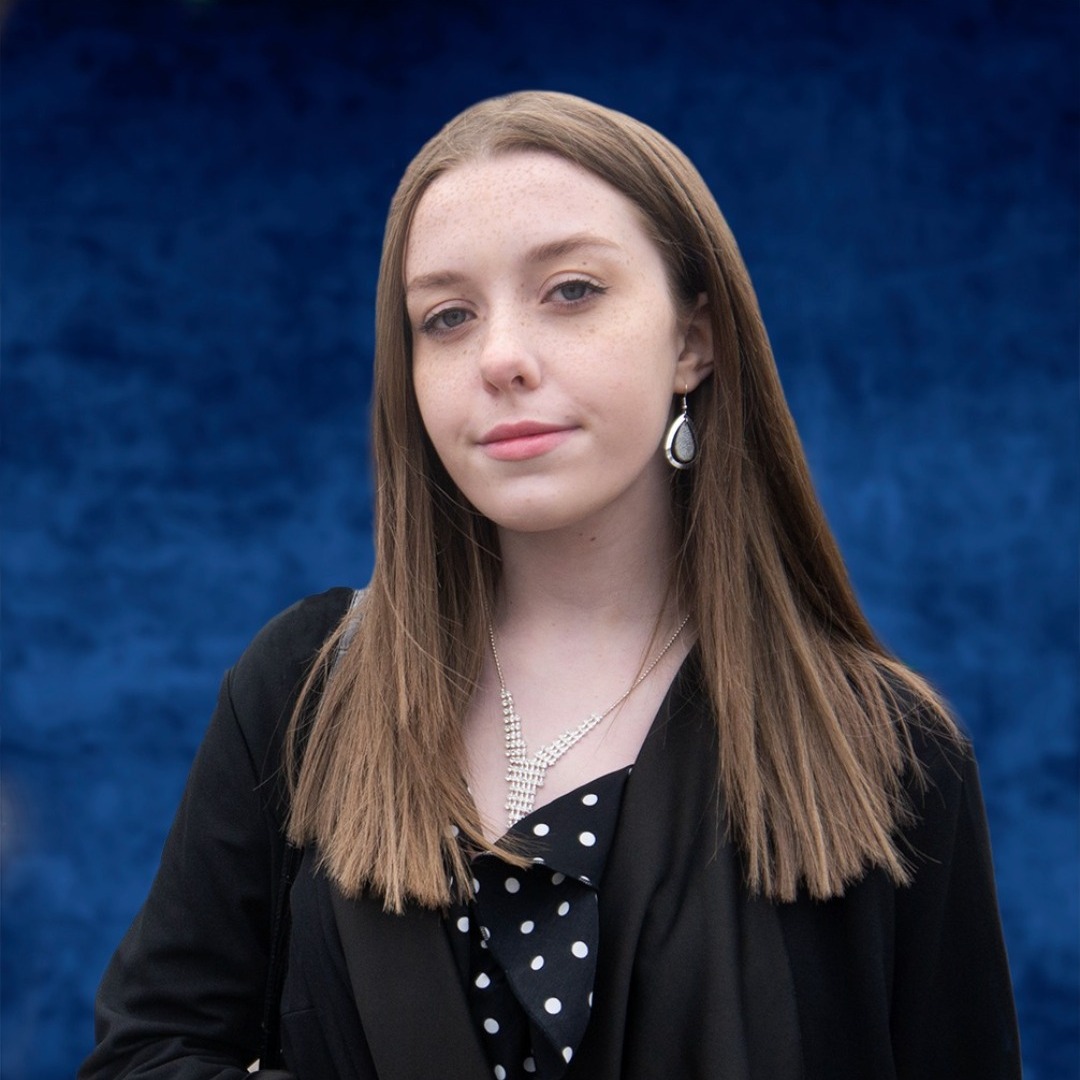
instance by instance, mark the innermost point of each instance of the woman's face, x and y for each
(546, 343)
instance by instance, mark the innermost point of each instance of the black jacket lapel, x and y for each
(683, 948)
(408, 992)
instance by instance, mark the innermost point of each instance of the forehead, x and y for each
(525, 197)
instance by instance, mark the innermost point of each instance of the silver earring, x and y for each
(680, 443)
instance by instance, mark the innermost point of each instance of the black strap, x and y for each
(270, 1050)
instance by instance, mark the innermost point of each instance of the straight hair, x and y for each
(814, 718)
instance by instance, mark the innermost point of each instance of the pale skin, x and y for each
(547, 350)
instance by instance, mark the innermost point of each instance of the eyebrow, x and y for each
(542, 253)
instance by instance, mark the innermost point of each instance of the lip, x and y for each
(523, 440)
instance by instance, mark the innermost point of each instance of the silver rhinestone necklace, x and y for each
(525, 774)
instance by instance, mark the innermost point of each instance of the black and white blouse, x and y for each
(526, 944)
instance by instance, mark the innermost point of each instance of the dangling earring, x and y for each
(680, 443)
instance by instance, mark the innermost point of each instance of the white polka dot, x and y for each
(485, 933)
(463, 924)
(587, 839)
(491, 1025)
(475, 885)
(589, 800)
(580, 949)
(500, 1073)
(483, 980)
(540, 829)
(512, 884)
(563, 908)
(455, 831)
(529, 1064)
(483, 944)
(528, 926)
(557, 878)
(537, 859)
(536, 963)
(567, 1053)
(553, 1006)
(585, 880)
(590, 999)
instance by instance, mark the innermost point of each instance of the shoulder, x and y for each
(941, 777)
(262, 688)
(299, 630)
(937, 761)
(289, 642)
(947, 835)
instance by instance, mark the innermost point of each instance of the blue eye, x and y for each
(443, 321)
(574, 292)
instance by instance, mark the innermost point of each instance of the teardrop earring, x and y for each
(680, 443)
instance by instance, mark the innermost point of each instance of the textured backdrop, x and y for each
(193, 198)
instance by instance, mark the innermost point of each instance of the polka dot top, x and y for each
(526, 944)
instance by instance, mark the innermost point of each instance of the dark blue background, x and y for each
(193, 199)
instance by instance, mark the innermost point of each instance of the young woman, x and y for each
(604, 774)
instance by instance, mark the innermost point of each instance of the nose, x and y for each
(508, 355)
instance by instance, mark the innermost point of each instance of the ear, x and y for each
(695, 361)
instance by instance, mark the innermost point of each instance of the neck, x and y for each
(585, 623)
(602, 576)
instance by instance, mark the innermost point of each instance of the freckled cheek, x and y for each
(438, 396)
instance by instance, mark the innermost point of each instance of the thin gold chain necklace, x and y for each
(525, 774)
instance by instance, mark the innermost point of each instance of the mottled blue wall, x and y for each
(193, 197)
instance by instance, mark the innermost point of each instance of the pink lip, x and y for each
(523, 440)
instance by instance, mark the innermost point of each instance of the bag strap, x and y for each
(270, 1047)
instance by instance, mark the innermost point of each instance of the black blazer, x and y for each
(695, 978)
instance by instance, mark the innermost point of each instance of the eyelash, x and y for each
(432, 326)
(591, 289)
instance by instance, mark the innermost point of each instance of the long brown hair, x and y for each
(813, 715)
